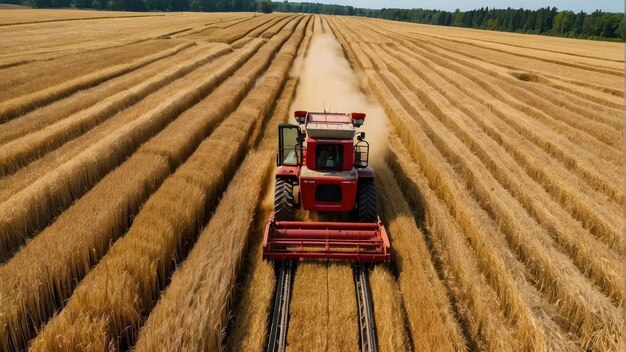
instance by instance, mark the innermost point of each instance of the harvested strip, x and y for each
(53, 41)
(323, 312)
(174, 211)
(18, 106)
(266, 26)
(590, 110)
(34, 206)
(432, 325)
(388, 311)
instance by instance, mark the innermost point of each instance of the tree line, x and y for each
(547, 21)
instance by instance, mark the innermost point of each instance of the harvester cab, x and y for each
(323, 168)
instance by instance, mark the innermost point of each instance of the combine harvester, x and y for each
(323, 168)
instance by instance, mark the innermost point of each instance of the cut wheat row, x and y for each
(590, 110)
(20, 105)
(539, 102)
(527, 314)
(29, 79)
(249, 328)
(81, 100)
(267, 28)
(584, 51)
(37, 169)
(614, 71)
(439, 330)
(609, 114)
(588, 207)
(475, 302)
(595, 136)
(240, 30)
(541, 74)
(24, 150)
(210, 26)
(592, 136)
(566, 79)
(213, 264)
(582, 161)
(265, 31)
(46, 42)
(582, 248)
(476, 224)
(560, 282)
(88, 227)
(555, 81)
(389, 315)
(35, 205)
(275, 28)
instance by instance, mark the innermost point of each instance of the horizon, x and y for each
(451, 5)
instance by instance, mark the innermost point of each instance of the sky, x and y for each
(451, 5)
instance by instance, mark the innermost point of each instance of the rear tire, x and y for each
(367, 206)
(283, 200)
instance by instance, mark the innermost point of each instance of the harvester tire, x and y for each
(367, 207)
(283, 200)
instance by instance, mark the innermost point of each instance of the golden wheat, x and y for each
(170, 147)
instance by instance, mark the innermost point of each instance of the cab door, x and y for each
(289, 145)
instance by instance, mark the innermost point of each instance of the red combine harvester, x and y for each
(322, 168)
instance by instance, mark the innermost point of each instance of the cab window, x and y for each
(289, 150)
(329, 157)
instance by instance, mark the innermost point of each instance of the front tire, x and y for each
(367, 206)
(283, 200)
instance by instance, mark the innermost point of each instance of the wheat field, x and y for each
(137, 153)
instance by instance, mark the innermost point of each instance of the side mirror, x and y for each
(360, 136)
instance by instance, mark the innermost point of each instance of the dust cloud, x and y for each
(327, 82)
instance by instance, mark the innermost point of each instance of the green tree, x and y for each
(264, 6)
(563, 22)
(491, 24)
